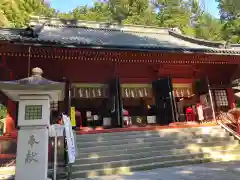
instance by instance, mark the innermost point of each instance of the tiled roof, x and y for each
(81, 33)
(235, 47)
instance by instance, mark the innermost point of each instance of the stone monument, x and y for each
(34, 95)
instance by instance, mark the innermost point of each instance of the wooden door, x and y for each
(164, 101)
(115, 102)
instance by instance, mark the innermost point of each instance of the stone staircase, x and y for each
(124, 152)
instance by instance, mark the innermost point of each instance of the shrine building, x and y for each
(151, 73)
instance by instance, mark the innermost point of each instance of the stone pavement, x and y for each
(209, 171)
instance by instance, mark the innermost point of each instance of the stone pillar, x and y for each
(32, 144)
(34, 95)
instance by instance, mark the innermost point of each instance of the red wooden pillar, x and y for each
(231, 98)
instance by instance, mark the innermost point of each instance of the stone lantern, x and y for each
(34, 95)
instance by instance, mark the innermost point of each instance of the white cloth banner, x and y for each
(70, 139)
(200, 112)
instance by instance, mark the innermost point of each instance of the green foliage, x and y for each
(3, 111)
(16, 13)
(208, 28)
(230, 16)
(188, 15)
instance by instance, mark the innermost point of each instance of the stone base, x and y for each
(32, 154)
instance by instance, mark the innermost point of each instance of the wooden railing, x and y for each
(229, 122)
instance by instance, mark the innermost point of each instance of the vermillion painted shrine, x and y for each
(148, 74)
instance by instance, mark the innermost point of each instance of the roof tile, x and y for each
(76, 33)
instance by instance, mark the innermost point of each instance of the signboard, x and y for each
(70, 139)
(139, 120)
(73, 116)
(151, 119)
(56, 130)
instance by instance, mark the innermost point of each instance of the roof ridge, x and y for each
(74, 23)
(235, 45)
(215, 44)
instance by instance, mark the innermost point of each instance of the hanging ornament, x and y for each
(126, 92)
(93, 93)
(177, 93)
(140, 92)
(188, 92)
(87, 93)
(132, 94)
(80, 92)
(182, 93)
(99, 92)
(145, 92)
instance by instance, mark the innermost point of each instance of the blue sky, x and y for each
(68, 5)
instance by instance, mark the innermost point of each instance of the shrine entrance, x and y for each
(138, 104)
(91, 104)
(111, 105)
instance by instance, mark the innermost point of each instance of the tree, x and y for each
(208, 28)
(230, 17)
(229, 9)
(175, 13)
(16, 13)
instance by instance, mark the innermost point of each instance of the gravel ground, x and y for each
(209, 171)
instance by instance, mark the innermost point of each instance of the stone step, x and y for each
(154, 134)
(150, 153)
(143, 160)
(161, 132)
(152, 147)
(140, 167)
(125, 146)
(220, 135)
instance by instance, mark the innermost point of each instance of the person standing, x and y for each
(190, 116)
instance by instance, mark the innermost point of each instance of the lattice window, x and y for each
(54, 105)
(33, 112)
(221, 98)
